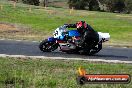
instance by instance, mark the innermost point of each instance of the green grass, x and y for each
(46, 20)
(38, 73)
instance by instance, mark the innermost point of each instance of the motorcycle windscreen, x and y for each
(73, 33)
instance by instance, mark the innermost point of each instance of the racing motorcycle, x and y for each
(67, 41)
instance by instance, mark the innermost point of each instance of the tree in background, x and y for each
(93, 5)
(128, 6)
(115, 5)
(78, 4)
(82, 4)
(13, 0)
(45, 3)
(119, 6)
(102, 5)
(96, 5)
(31, 2)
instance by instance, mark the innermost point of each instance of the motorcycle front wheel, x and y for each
(47, 46)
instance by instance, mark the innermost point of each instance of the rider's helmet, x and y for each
(81, 25)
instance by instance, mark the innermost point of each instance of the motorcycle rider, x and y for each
(88, 34)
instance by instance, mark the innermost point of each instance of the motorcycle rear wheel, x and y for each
(92, 51)
(96, 49)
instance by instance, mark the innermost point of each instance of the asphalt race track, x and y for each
(11, 48)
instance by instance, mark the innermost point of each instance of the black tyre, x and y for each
(47, 46)
(96, 49)
(91, 51)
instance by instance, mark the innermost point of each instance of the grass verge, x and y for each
(43, 73)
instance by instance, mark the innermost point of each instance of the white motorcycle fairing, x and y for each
(104, 36)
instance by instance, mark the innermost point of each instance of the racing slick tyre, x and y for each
(47, 46)
(96, 49)
(91, 51)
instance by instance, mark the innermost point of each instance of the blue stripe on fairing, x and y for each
(73, 33)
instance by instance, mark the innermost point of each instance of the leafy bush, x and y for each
(111, 5)
(31, 2)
